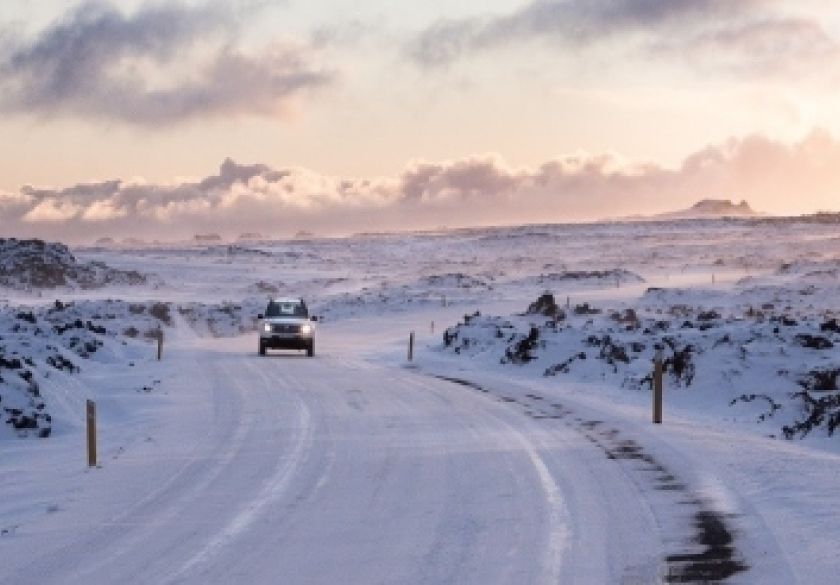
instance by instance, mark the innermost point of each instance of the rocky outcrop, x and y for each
(35, 264)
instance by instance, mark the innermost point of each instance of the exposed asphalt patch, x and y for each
(715, 562)
(463, 382)
(710, 554)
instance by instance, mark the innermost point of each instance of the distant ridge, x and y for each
(207, 238)
(713, 208)
(703, 209)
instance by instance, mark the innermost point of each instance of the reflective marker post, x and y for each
(91, 433)
(411, 346)
(657, 387)
(160, 344)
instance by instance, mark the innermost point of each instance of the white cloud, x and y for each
(477, 190)
(103, 211)
(52, 210)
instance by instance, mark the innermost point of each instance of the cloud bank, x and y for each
(743, 36)
(164, 63)
(478, 190)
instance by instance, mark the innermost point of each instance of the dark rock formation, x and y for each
(35, 264)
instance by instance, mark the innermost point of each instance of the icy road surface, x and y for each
(340, 470)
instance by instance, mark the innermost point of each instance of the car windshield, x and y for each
(283, 309)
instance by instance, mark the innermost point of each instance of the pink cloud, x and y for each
(478, 190)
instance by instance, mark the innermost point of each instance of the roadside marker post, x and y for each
(159, 344)
(91, 433)
(657, 387)
(411, 346)
(433, 327)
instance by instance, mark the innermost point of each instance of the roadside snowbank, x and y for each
(41, 346)
(760, 363)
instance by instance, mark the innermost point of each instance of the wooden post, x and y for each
(657, 387)
(568, 302)
(91, 433)
(160, 344)
(411, 346)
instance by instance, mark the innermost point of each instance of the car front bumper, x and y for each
(285, 341)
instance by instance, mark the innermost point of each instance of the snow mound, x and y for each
(579, 278)
(597, 276)
(453, 280)
(35, 264)
(763, 365)
(235, 251)
(40, 345)
(812, 270)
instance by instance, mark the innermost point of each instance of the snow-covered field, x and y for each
(516, 448)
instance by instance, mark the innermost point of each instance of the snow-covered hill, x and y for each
(36, 265)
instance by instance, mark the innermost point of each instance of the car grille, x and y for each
(285, 328)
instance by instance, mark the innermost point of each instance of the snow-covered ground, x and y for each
(516, 448)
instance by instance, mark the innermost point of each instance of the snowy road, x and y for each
(338, 470)
(334, 470)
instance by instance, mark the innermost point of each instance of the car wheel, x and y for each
(310, 351)
(262, 349)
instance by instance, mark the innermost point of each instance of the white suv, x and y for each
(287, 325)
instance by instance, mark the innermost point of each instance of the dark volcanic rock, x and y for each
(821, 380)
(710, 315)
(520, 351)
(830, 326)
(35, 264)
(585, 309)
(680, 363)
(824, 410)
(545, 305)
(160, 311)
(617, 275)
(813, 341)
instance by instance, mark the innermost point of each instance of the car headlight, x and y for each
(306, 329)
(267, 327)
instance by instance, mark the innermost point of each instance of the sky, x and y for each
(157, 119)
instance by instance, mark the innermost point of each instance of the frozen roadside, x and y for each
(152, 419)
(774, 497)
